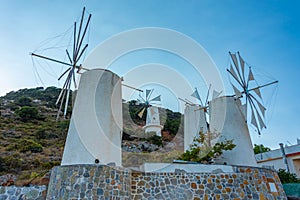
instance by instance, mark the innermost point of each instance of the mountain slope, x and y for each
(31, 141)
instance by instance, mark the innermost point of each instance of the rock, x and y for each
(180, 171)
(217, 171)
(145, 146)
(111, 164)
(7, 180)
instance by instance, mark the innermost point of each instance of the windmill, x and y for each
(74, 60)
(196, 95)
(147, 102)
(195, 118)
(152, 119)
(250, 96)
(204, 106)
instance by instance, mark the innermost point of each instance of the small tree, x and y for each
(24, 101)
(260, 149)
(202, 151)
(27, 113)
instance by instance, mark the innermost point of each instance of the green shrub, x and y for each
(202, 151)
(35, 148)
(287, 177)
(40, 133)
(12, 106)
(25, 145)
(155, 139)
(63, 125)
(24, 101)
(172, 122)
(27, 113)
(45, 133)
(260, 149)
(12, 163)
(50, 165)
(2, 165)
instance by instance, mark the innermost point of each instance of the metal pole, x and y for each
(261, 86)
(284, 157)
(260, 149)
(132, 87)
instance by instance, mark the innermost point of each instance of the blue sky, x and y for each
(265, 32)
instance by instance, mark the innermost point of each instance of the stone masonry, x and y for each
(89, 182)
(104, 182)
(245, 183)
(22, 193)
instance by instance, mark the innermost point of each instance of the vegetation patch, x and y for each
(32, 141)
(25, 145)
(287, 177)
(155, 139)
(202, 150)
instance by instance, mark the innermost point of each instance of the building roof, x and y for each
(275, 154)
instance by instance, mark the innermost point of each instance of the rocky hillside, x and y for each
(32, 141)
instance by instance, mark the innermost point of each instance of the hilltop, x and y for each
(32, 141)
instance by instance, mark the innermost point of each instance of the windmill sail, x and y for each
(237, 93)
(204, 106)
(234, 59)
(253, 119)
(253, 97)
(146, 102)
(234, 75)
(250, 76)
(262, 109)
(261, 122)
(260, 106)
(196, 95)
(77, 53)
(242, 62)
(148, 92)
(216, 94)
(141, 113)
(257, 91)
(156, 98)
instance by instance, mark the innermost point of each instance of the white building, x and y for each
(275, 159)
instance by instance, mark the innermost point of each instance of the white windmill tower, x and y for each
(195, 119)
(152, 118)
(95, 130)
(228, 114)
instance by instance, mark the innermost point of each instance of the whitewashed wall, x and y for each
(95, 130)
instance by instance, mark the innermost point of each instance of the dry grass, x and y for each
(130, 159)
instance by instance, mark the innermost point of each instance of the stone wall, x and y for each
(89, 182)
(104, 182)
(28, 193)
(244, 183)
